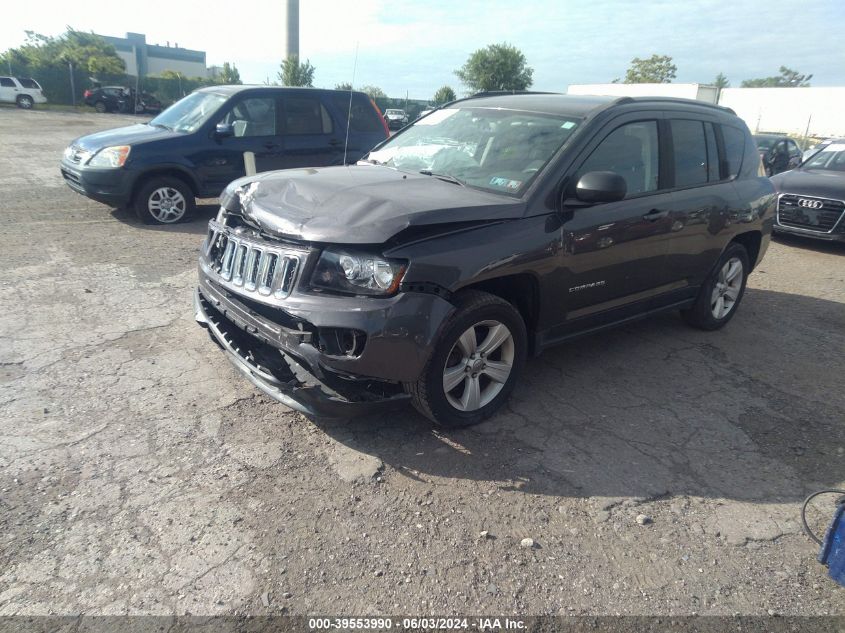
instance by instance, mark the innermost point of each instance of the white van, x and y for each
(23, 91)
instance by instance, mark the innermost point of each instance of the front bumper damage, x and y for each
(281, 376)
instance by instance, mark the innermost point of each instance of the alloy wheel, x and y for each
(727, 288)
(167, 205)
(478, 366)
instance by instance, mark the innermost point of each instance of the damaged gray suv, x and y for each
(489, 230)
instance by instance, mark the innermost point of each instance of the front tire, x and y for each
(475, 363)
(720, 294)
(25, 102)
(164, 200)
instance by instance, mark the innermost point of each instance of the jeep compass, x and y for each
(477, 237)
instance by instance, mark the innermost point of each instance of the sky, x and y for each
(413, 48)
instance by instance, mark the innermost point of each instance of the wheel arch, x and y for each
(521, 290)
(172, 172)
(751, 241)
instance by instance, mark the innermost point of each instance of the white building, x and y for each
(814, 111)
(702, 92)
(789, 110)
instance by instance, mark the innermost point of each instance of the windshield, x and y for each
(831, 158)
(394, 112)
(492, 149)
(188, 114)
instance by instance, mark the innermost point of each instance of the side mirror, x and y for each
(224, 130)
(601, 186)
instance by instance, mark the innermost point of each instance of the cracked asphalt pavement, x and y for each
(140, 474)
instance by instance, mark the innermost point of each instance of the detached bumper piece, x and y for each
(286, 379)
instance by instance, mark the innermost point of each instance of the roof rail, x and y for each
(705, 104)
(496, 93)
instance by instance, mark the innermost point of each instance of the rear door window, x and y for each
(6, 82)
(306, 115)
(734, 149)
(690, 149)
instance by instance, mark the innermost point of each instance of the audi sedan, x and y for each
(811, 198)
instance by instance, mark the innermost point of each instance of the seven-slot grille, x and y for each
(253, 266)
(809, 213)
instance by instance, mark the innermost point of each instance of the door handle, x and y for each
(334, 142)
(270, 145)
(655, 214)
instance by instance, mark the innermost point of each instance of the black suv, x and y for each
(777, 152)
(475, 238)
(208, 139)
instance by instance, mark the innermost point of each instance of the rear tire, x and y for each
(722, 291)
(25, 102)
(164, 200)
(475, 363)
(100, 107)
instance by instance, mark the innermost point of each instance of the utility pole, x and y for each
(72, 86)
(807, 132)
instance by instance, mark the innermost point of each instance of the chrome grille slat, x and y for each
(251, 268)
(228, 257)
(238, 266)
(245, 264)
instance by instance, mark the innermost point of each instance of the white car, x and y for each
(23, 91)
(395, 118)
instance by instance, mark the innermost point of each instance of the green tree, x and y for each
(374, 92)
(86, 51)
(787, 78)
(296, 73)
(657, 69)
(53, 60)
(346, 86)
(721, 81)
(230, 75)
(444, 94)
(496, 67)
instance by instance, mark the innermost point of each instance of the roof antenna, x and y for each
(349, 112)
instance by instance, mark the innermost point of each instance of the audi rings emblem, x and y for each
(810, 204)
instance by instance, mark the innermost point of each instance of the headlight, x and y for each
(111, 157)
(357, 273)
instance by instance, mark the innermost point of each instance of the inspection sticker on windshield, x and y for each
(507, 183)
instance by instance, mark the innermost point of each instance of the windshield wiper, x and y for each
(444, 177)
(161, 125)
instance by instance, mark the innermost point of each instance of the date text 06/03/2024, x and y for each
(412, 624)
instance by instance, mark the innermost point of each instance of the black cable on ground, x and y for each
(807, 529)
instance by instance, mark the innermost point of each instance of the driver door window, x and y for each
(630, 151)
(253, 116)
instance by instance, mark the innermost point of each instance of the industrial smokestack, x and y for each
(291, 38)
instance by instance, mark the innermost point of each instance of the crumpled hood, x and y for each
(362, 204)
(811, 182)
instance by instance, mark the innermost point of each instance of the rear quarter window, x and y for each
(734, 149)
(362, 117)
(28, 83)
